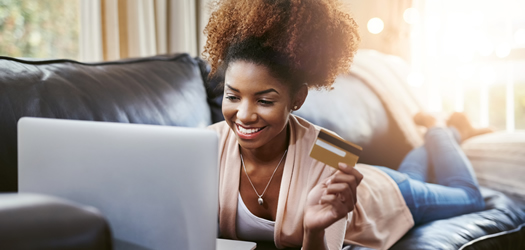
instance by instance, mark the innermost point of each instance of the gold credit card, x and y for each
(331, 149)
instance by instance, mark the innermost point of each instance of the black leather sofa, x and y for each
(173, 90)
(36, 221)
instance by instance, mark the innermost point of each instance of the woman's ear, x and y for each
(300, 97)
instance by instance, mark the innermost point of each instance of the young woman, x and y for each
(270, 53)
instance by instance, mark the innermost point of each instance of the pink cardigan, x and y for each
(380, 218)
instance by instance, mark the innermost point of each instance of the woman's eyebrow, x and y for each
(232, 88)
(266, 91)
(258, 93)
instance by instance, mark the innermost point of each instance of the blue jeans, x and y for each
(456, 191)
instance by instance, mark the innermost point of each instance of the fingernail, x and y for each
(342, 165)
(329, 181)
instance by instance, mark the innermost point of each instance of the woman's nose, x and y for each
(246, 113)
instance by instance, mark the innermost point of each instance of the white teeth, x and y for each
(247, 131)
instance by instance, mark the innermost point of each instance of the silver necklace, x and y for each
(260, 200)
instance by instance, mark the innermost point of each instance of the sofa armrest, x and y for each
(499, 162)
(33, 221)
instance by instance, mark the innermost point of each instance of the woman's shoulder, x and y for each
(304, 137)
(304, 127)
(219, 126)
(222, 129)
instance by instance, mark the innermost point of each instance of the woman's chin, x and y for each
(248, 146)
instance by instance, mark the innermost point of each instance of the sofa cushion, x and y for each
(34, 221)
(214, 91)
(500, 215)
(511, 239)
(161, 90)
(355, 112)
(499, 161)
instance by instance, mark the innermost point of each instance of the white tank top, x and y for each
(251, 227)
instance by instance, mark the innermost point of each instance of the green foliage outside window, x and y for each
(39, 28)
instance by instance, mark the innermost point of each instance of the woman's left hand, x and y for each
(332, 199)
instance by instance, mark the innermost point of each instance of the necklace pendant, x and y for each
(260, 200)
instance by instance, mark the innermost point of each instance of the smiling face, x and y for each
(256, 105)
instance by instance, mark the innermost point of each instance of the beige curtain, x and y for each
(115, 29)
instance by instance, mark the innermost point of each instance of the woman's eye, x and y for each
(231, 98)
(266, 102)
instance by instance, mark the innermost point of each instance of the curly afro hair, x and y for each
(299, 41)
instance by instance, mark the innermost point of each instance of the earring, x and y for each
(295, 107)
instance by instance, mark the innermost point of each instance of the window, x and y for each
(39, 29)
(472, 57)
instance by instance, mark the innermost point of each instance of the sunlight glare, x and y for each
(487, 75)
(485, 47)
(415, 79)
(411, 15)
(375, 25)
(503, 50)
(466, 72)
(519, 37)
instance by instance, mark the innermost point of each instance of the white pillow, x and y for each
(499, 161)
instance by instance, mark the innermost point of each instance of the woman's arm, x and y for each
(327, 203)
(333, 237)
(314, 240)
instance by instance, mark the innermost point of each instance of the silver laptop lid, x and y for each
(156, 185)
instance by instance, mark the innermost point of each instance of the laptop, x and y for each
(156, 185)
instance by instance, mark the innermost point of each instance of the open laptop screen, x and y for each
(156, 185)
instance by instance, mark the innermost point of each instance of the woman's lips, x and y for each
(248, 133)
